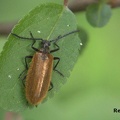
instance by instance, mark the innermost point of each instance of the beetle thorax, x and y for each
(45, 46)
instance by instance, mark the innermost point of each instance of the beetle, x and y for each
(38, 78)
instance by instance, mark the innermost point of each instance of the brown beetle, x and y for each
(38, 79)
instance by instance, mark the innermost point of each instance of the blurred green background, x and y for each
(93, 89)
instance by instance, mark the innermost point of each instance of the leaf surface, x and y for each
(46, 21)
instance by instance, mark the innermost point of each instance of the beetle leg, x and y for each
(58, 48)
(23, 82)
(51, 86)
(26, 65)
(57, 58)
(27, 57)
(33, 42)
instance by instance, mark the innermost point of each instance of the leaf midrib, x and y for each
(55, 24)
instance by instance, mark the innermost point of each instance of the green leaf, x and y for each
(46, 21)
(98, 15)
(2, 114)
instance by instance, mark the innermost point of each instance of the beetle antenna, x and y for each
(26, 37)
(60, 36)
